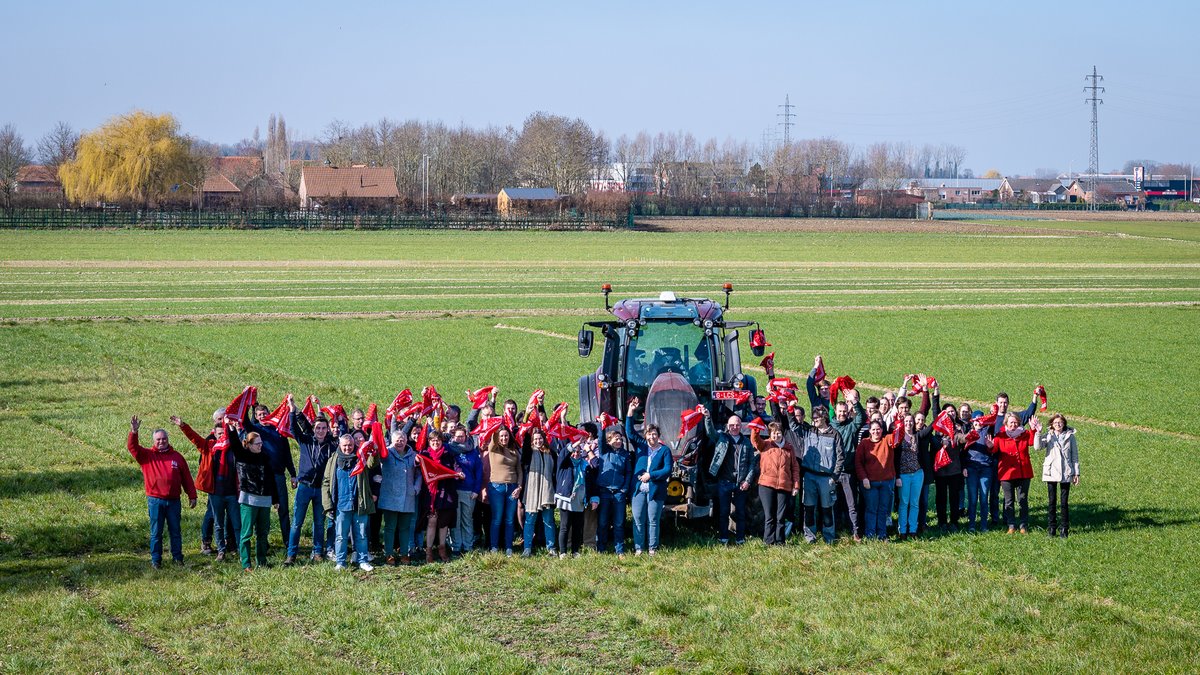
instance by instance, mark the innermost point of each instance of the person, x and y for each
(256, 495)
(910, 476)
(823, 459)
(504, 481)
(539, 463)
(443, 499)
(280, 453)
(469, 463)
(398, 491)
(875, 464)
(948, 480)
(165, 474)
(925, 445)
(1014, 469)
(651, 470)
(317, 445)
(574, 477)
(203, 472)
(979, 475)
(217, 476)
(732, 467)
(348, 502)
(778, 481)
(614, 484)
(848, 421)
(1060, 471)
(818, 392)
(996, 429)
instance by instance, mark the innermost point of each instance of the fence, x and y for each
(310, 219)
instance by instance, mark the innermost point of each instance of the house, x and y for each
(1109, 190)
(218, 191)
(35, 179)
(1032, 190)
(516, 202)
(240, 170)
(359, 186)
(953, 190)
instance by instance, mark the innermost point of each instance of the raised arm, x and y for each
(301, 428)
(139, 453)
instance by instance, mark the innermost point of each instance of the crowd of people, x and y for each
(424, 482)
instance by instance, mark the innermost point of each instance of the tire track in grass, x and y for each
(144, 640)
(403, 314)
(880, 388)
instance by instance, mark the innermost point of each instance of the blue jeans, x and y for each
(979, 485)
(612, 514)
(729, 494)
(345, 520)
(910, 494)
(307, 497)
(879, 507)
(546, 515)
(647, 513)
(225, 510)
(504, 510)
(168, 511)
(285, 520)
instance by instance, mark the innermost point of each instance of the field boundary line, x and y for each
(638, 262)
(194, 299)
(880, 388)
(544, 312)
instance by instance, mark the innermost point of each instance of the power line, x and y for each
(1094, 159)
(787, 116)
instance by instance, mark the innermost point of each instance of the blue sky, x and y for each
(1004, 80)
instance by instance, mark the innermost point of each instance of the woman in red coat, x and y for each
(1015, 471)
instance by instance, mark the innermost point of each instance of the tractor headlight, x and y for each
(708, 323)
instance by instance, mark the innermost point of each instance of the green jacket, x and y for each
(366, 505)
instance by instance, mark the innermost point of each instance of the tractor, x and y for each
(673, 354)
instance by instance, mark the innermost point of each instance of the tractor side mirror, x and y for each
(586, 338)
(758, 342)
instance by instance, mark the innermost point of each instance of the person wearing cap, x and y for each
(1060, 470)
(165, 475)
(217, 476)
(733, 468)
(614, 484)
(1011, 446)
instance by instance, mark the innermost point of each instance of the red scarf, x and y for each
(481, 397)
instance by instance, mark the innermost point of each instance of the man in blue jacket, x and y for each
(317, 445)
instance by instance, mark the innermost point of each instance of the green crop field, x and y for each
(98, 325)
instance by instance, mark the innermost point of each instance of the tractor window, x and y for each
(677, 346)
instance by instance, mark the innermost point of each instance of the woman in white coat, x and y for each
(1060, 470)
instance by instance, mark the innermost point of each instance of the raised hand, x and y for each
(177, 421)
(134, 424)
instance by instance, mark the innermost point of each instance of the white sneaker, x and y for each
(366, 567)
(339, 567)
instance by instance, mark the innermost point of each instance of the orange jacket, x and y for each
(778, 467)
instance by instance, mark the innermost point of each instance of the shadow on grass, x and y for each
(67, 539)
(1105, 517)
(30, 483)
(73, 574)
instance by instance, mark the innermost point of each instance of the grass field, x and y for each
(95, 326)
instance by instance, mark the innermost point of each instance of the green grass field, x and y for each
(96, 326)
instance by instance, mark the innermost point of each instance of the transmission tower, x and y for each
(1094, 159)
(787, 116)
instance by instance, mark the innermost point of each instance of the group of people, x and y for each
(426, 482)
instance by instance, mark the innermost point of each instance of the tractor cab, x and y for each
(673, 354)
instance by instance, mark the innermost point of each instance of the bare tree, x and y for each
(58, 146)
(13, 155)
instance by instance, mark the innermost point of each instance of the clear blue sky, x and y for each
(1002, 79)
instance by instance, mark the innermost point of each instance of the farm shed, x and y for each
(513, 202)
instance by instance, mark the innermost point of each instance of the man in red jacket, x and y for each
(164, 472)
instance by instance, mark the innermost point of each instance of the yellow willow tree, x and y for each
(136, 157)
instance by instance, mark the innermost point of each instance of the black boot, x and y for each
(1052, 531)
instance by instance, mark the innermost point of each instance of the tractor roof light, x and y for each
(728, 287)
(606, 289)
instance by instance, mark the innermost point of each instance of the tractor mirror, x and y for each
(758, 342)
(586, 338)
